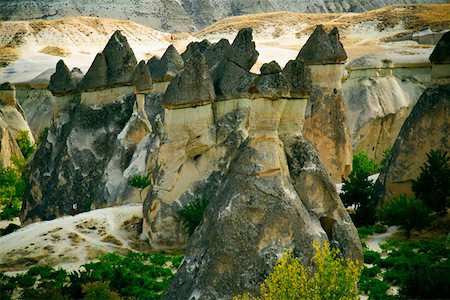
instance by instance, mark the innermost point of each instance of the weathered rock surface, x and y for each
(298, 79)
(97, 75)
(215, 53)
(61, 81)
(142, 77)
(166, 68)
(195, 46)
(322, 48)
(120, 59)
(70, 162)
(441, 52)
(425, 129)
(193, 86)
(242, 51)
(8, 146)
(271, 83)
(326, 121)
(377, 106)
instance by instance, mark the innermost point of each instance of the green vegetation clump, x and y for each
(140, 182)
(420, 269)
(365, 231)
(406, 212)
(192, 214)
(433, 184)
(134, 276)
(26, 146)
(330, 277)
(357, 190)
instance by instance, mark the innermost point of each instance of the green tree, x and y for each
(330, 277)
(433, 184)
(26, 146)
(140, 182)
(357, 189)
(407, 212)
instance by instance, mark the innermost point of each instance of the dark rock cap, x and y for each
(170, 64)
(7, 86)
(270, 68)
(96, 76)
(120, 59)
(321, 49)
(193, 86)
(242, 51)
(216, 52)
(61, 81)
(298, 79)
(201, 46)
(141, 77)
(441, 53)
(231, 81)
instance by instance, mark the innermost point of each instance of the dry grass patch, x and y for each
(8, 54)
(55, 51)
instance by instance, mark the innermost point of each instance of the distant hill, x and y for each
(181, 15)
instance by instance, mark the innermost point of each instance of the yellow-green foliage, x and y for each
(331, 277)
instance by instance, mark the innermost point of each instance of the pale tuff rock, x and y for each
(425, 129)
(193, 86)
(166, 68)
(97, 75)
(326, 123)
(8, 146)
(322, 48)
(141, 77)
(8, 94)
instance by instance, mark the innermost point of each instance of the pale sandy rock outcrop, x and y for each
(379, 96)
(166, 68)
(425, 129)
(8, 146)
(326, 124)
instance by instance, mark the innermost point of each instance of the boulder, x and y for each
(120, 59)
(8, 94)
(441, 53)
(61, 82)
(97, 75)
(231, 81)
(425, 129)
(170, 64)
(322, 48)
(141, 77)
(193, 86)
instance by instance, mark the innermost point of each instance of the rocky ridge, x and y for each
(183, 15)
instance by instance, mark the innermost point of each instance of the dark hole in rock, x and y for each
(327, 225)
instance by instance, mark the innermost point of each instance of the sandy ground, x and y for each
(73, 240)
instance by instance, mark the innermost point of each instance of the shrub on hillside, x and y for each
(357, 190)
(433, 184)
(26, 146)
(192, 214)
(406, 212)
(139, 182)
(330, 277)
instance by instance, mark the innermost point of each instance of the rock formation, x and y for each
(218, 131)
(64, 81)
(326, 122)
(166, 68)
(440, 58)
(425, 129)
(379, 96)
(12, 121)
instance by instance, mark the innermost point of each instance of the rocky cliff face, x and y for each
(425, 129)
(379, 96)
(182, 15)
(12, 120)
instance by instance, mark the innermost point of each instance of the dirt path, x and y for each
(373, 242)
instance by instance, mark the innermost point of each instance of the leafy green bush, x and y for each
(331, 277)
(12, 187)
(26, 146)
(192, 214)
(135, 276)
(365, 231)
(433, 184)
(371, 257)
(140, 182)
(406, 212)
(357, 190)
